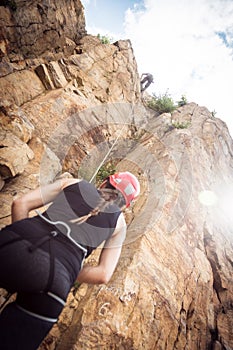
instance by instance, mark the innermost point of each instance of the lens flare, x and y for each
(207, 198)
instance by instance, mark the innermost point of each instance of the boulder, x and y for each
(14, 155)
(20, 87)
(51, 75)
(46, 165)
(13, 119)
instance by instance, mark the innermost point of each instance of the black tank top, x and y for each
(73, 202)
(76, 201)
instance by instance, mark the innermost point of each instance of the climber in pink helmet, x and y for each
(42, 256)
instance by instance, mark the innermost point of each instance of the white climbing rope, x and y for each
(107, 154)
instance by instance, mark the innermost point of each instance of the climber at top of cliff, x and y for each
(42, 256)
(146, 80)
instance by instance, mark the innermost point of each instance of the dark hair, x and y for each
(118, 199)
(108, 184)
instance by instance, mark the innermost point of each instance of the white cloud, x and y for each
(85, 2)
(177, 42)
(95, 30)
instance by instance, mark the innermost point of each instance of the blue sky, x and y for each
(187, 45)
(109, 15)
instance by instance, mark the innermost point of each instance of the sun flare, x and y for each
(207, 198)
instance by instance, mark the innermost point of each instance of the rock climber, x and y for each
(42, 256)
(146, 80)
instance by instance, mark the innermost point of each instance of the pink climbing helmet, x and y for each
(127, 184)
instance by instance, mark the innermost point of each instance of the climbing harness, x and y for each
(40, 312)
(32, 248)
(49, 237)
(68, 231)
(40, 317)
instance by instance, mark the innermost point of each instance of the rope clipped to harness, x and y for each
(43, 240)
(49, 237)
(39, 243)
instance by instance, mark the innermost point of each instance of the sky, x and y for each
(187, 45)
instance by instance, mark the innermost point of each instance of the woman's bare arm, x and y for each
(108, 259)
(37, 198)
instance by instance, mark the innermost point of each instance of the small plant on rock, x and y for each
(104, 171)
(180, 125)
(213, 113)
(105, 39)
(162, 104)
(183, 101)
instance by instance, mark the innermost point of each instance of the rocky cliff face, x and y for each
(41, 98)
(30, 29)
(70, 106)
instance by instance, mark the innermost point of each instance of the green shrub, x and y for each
(104, 171)
(76, 287)
(180, 125)
(213, 113)
(183, 101)
(105, 39)
(162, 104)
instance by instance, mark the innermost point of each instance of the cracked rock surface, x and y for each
(65, 102)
